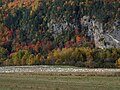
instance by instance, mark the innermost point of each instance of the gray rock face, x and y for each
(102, 39)
(105, 40)
(58, 28)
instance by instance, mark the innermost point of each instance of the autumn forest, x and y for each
(52, 32)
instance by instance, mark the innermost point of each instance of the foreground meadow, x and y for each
(55, 81)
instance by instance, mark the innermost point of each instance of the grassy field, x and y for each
(49, 81)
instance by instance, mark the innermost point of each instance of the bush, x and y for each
(82, 57)
(118, 63)
(3, 54)
(86, 57)
(80, 64)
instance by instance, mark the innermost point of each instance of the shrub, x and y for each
(7, 62)
(118, 63)
(19, 58)
(37, 59)
(82, 57)
(80, 64)
(30, 60)
(3, 55)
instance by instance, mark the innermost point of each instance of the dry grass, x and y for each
(57, 81)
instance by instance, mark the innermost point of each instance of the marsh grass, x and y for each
(54, 81)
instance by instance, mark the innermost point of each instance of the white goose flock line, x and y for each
(11, 69)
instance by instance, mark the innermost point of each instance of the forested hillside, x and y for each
(30, 30)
